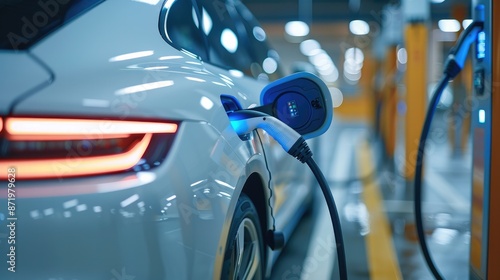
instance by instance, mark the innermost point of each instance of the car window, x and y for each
(223, 33)
(179, 26)
(25, 22)
(263, 56)
(224, 30)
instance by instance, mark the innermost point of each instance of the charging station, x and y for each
(485, 226)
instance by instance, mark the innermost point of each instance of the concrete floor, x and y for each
(377, 213)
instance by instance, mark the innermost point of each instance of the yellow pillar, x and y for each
(416, 38)
(366, 83)
(389, 102)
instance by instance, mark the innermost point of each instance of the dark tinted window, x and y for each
(24, 22)
(179, 25)
(236, 40)
(259, 48)
(224, 33)
(223, 28)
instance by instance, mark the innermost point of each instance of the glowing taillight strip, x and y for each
(1, 124)
(92, 137)
(70, 166)
(47, 126)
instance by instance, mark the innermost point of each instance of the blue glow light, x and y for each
(482, 116)
(239, 126)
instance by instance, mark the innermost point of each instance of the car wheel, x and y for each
(244, 256)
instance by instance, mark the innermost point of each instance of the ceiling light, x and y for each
(297, 28)
(449, 25)
(359, 27)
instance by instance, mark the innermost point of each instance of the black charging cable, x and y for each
(454, 65)
(245, 121)
(301, 151)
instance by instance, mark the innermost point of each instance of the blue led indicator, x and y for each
(292, 107)
(481, 45)
(482, 116)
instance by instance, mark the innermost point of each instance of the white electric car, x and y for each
(117, 158)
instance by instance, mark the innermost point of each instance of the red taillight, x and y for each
(71, 128)
(55, 148)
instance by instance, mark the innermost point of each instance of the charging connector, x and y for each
(454, 64)
(245, 121)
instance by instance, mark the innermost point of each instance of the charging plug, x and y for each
(245, 121)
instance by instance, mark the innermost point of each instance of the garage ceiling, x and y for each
(338, 10)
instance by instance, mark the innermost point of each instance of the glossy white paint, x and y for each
(14, 69)
(176, 226)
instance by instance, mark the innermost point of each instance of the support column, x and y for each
(389, 103)
(416, 43)
(494, 222)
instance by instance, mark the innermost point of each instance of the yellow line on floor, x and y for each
(383, 263)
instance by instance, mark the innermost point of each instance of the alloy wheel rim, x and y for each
(245, 256)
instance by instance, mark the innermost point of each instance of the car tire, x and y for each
(244, 256)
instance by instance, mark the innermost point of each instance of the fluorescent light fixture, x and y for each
(352, 78)
(359, 27)
(168, 57)
(466, 23)
(320, 59)
(195, 18)
(332, 77)
(144, 87)
(354, 55)
(297, 28)
(309, 47)
(270, 65)
(352, 68)
(236, 73)
(81, 207)
(229, 40)
(449, 25)
(482, 116)
(70, 203)
(437, 1)
(207, 22)
(168, 4)
(150, 2)
(129, 56)
(127, 201)
(402, 56)
(194, 79)
(48, 211)
(337, 96)
(326, 69)
(259, 33)
(154, 68)
(219, 84)
(206, 103)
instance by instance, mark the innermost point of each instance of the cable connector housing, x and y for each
(452, 68)
(300, 150)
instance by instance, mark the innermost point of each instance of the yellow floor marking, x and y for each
(383, 263)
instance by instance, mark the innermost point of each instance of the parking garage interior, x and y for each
(368, 44)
